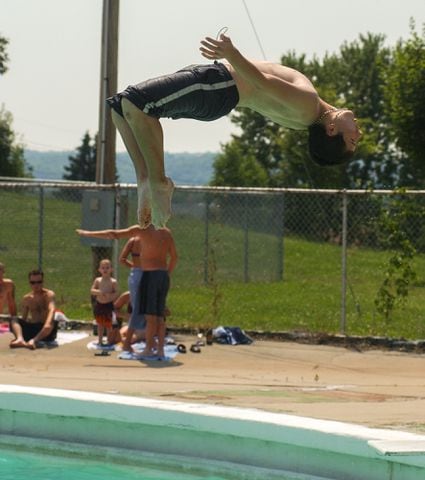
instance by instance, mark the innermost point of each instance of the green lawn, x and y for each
(308, 299)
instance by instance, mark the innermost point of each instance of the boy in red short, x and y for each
(105, 291)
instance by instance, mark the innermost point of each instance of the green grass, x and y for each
(309, 298)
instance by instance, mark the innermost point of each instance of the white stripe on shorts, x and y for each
(186, 90)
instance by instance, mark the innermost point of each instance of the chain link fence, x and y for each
(332, 251)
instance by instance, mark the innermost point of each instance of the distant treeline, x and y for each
(183, 168)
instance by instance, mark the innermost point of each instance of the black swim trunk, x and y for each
(30, 330)
(153, 292)
(200, 92)
(103, 309)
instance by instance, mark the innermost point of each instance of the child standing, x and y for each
(105, 291)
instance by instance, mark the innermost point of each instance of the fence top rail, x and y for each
(8, 182)
(324, 191)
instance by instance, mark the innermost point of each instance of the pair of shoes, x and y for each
(195, 348)
(181, 348)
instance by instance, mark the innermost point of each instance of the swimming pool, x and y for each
(73, 463)
(245, 439)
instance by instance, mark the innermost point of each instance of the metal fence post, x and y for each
(344, 262)
(206, 238)
(280, 237)
(117, 223)
(40, 227)
(246, 242)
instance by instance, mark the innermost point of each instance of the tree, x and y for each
(12, 160)
(405, 95)
(4, 58)
(82, 166)
(236, 168)
(353, 78)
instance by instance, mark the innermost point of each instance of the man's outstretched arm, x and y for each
(110, 234)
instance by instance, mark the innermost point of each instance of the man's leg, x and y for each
(127, 341)
(149, 137)
(16, 329)
(143, 187)
(100, 331)
(44, 332)
(161, 336)
(151, 329)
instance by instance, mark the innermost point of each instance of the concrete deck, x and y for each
(372, 388)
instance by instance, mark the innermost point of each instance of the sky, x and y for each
(52, 86)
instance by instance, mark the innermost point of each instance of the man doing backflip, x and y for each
(208, 92)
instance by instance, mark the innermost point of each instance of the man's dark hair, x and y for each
(326, 150)
(36, 273)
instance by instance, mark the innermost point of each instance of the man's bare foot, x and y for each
(31, 344)
(18, 343)
(144, 216)
(162, 194)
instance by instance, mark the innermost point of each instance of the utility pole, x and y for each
(105, 160)
(105, 152)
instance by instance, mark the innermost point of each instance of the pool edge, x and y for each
(246, 436)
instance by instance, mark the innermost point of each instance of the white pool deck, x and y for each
(246, 436)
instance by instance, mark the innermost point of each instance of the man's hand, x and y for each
(215, 49)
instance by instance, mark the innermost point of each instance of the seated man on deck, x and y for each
(37, 322)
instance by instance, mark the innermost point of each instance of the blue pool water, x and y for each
(36, 466)
(21, 465)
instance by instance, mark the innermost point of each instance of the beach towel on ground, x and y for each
(63, 338)
(170, 352)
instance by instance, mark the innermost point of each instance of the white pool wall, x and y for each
(330, 449)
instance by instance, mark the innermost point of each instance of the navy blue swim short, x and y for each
(153, 292)
(200, 92)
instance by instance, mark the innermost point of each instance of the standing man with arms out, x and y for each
(7, 293)
(158, 260)
(154, 255)
(37, 322)
(208, 92)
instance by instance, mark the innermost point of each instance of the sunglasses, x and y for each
(35, 282)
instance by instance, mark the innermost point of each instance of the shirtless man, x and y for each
(37, 322)
(7, 293)
(208, 92)
(154, 253)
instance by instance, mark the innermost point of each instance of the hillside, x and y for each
(183, 168)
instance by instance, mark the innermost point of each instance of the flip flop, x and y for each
(181, 348)
(102, 353)
(195, 348)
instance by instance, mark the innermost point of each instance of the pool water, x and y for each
(45, 466)
(37, 466)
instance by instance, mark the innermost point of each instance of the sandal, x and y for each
(195, 348)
